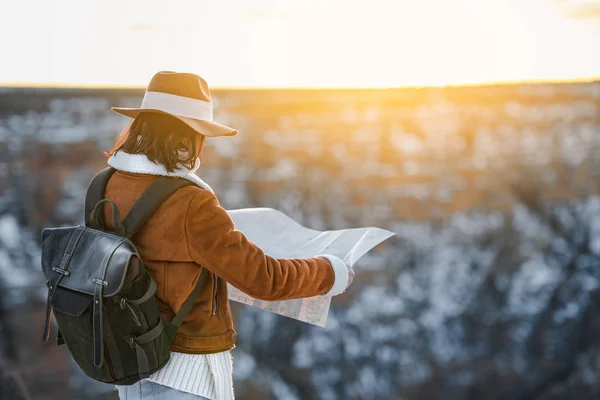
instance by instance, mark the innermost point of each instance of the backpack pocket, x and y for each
(73, 314)
(123, 324)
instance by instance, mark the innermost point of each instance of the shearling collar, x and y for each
(140, 164)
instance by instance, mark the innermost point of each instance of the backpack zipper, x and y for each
(124, 304)
(215, 292)
(111, 371)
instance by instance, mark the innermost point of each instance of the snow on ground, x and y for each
(19, 261)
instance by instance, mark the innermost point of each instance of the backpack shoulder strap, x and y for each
(150, 201)
(173, 326)
(95, 193)
(144, 207)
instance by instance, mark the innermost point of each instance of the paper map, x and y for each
(279, 236)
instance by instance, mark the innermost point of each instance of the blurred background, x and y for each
(471, 131)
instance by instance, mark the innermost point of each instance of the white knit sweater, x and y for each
(207, 375)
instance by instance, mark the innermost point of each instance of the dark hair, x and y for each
(162, 138)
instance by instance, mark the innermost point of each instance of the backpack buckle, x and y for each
(61, 271)
(99, 282)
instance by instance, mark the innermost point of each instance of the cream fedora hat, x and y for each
(183, 96)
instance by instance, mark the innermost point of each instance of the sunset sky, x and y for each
(315, 43)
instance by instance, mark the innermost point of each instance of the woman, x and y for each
(190, 232)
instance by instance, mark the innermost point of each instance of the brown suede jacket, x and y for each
(191, 231)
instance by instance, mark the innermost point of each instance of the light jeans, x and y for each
(148, 390)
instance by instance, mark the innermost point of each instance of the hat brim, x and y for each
(206, 128)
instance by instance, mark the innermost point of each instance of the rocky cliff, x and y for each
(488, 291)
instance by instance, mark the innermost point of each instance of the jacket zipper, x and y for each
(215, 292)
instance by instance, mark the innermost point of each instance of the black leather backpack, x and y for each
(101, 295)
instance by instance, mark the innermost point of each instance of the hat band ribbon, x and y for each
(178, 105)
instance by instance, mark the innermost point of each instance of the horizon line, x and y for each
(59, 85)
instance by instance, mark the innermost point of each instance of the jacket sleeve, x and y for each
(214, 243)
